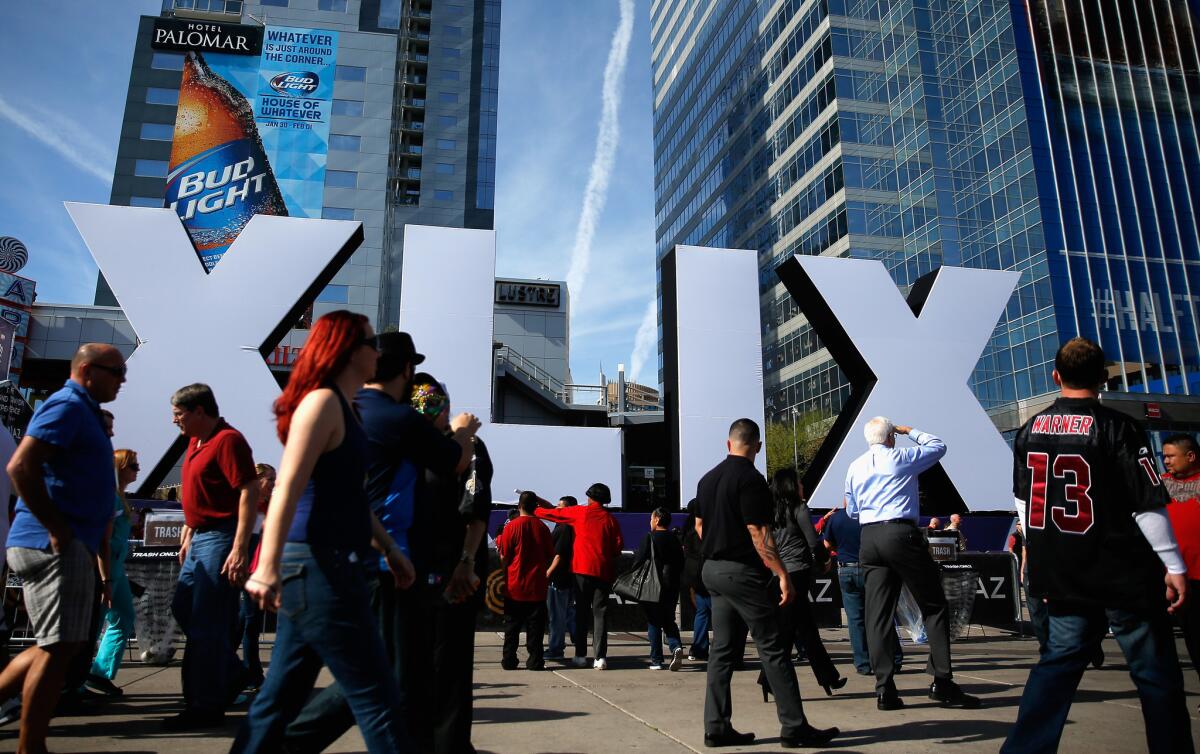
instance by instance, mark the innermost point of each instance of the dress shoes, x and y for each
(808, 736)
(948, 693)
(889, 700)
(729, 738)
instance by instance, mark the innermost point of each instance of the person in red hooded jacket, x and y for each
(598, 543)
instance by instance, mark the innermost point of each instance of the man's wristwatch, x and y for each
(467, 558)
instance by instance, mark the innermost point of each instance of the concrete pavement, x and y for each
(630, 708)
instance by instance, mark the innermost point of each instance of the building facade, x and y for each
(412, 133)
(924, 133)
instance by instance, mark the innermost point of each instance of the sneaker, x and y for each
(103, 685)
(10, 711)
(697, 656)
(580, 662)
(600, 664)
(676, 658)
(656, 666)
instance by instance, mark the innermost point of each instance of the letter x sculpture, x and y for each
(214, 328)
(910, 361)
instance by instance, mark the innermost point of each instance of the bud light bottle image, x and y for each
(219, 176)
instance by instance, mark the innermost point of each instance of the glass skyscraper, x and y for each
(938, 132)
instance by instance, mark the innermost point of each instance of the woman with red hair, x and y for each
(315, 544)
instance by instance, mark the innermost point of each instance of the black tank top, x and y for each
(333, 509)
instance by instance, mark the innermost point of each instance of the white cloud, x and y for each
(645, 345)
(63, 136)
(607, 138)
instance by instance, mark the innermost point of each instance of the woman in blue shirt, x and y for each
(117, 626)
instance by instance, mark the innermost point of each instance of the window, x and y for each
(150, 168)
(334, 294)
(447, 144)
(344, 143)
(341, 179)
(450, 75)
(445, 168)
(157, 132)
(158, 96)
(145, 201)
(447, 120)
(452, 52)
(351, 107)
(276, 3)
(443, 195)
(167, 61)
(337, 6)
(449, 98)
(336, 213)
(350, 73)
(454, 31)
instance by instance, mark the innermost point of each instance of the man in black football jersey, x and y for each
(1094, 512)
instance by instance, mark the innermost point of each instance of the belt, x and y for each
(848, 565)
(907, 521)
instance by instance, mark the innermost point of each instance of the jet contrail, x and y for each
(644, 344)
(606, 151)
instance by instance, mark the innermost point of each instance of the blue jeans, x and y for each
(560, 604)
(700, 625)
(660, 619)
(853, 584)
(206, 607)
(1039, 618)
(1148, 642)
(252, 626)
(325, 620)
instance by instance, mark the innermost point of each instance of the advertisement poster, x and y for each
(251, 135)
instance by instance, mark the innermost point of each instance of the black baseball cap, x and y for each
(399, 345)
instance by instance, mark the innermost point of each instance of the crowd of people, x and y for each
(377, 518)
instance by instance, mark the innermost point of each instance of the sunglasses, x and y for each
(371, 342)
(120, 371)
(135, 467)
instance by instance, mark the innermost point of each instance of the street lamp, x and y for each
(795, 450)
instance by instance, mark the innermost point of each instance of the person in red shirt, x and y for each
(598, 543)
(1181, 456)
(219, 498)
(525, 548)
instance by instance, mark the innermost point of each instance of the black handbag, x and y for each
(641, 584)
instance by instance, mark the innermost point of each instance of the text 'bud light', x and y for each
(302, 83)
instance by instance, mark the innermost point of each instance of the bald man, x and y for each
(63, 473)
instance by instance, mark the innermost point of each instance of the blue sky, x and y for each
(64, 72)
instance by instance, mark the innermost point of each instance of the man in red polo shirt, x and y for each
(598, 544)
(220, 493)
(526, 549)
(1181, 456)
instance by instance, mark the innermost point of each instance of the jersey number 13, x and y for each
(1075, 470)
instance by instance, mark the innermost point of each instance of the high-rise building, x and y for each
(1053, 137)
(412, 135)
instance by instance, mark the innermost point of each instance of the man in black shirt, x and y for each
(1094, 512)
(734, 515)
(560, 599)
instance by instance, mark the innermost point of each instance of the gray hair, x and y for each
(878, 430)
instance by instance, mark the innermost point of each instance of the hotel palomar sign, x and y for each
(207, 36)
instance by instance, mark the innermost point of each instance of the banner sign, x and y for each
(180, 35)
(15, 411)
(528, 294)
(251, 136)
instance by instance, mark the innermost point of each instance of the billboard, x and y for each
(251, 135)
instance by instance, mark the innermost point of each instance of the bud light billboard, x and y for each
(251, 136)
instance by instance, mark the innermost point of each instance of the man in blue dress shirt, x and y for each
(881, 492)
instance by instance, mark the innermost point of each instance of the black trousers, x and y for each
(746, 596)
(1189, 621)
(796, 622)
(894, 555)
(591, 606)
(530, 617)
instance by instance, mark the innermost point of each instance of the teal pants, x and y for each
(117, 626)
